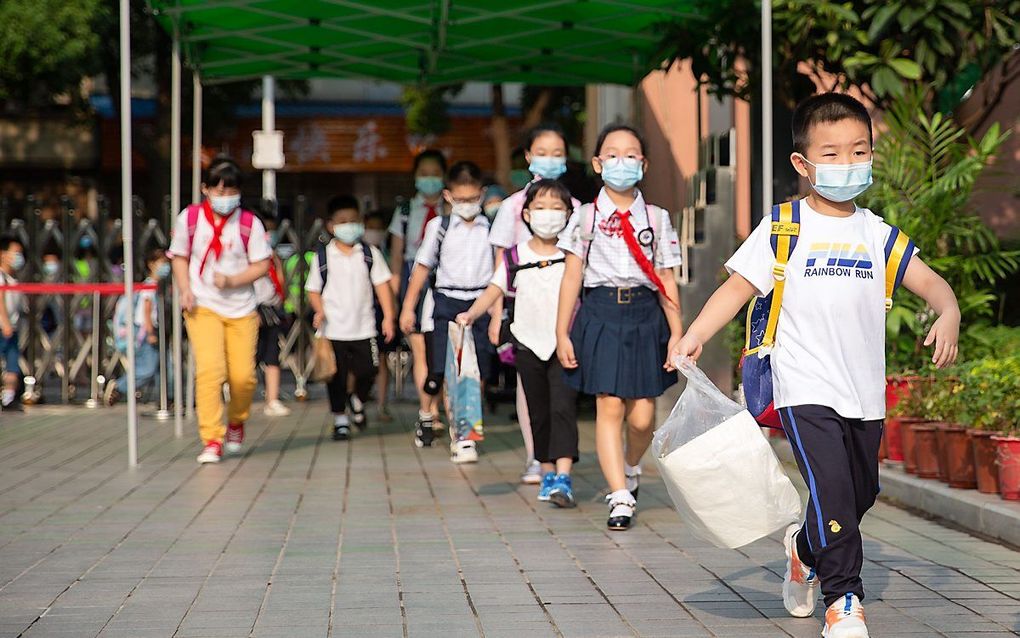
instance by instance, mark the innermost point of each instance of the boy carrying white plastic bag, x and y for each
(710, 444)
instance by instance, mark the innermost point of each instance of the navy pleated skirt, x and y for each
(620, 347)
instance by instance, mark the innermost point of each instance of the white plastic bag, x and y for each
(723, 477)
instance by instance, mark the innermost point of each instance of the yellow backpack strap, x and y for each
(898, 250)
(785, 230)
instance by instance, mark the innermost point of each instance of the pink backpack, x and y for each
(247, 220)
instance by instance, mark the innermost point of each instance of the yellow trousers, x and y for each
(224, 353)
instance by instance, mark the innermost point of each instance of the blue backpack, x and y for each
(763, 313)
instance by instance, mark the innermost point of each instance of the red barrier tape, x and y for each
(74, 289)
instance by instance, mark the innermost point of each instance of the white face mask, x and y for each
(225, 204)
(547, 223)
(466, 211)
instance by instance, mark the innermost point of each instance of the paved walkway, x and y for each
(302, 536)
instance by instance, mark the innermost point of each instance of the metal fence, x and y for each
(66, 339)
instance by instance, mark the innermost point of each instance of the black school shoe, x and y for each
(621, 510)
(423, 433)
(341, 432)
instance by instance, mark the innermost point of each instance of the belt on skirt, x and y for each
(621, 296)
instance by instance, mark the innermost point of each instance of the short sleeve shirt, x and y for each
(13, 300)
(150, 296)
(508, 227)
(415, 225)
(830, 339)
(465, 266)
(538, 293)
(348, 299)
(609, 261)
(234, 259)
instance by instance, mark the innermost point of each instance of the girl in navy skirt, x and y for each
(621, 251)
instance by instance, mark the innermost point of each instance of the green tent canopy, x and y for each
(550, 42)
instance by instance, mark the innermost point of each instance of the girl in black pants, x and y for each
(534, 269)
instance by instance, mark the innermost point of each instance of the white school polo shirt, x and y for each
(830, 340)
(415, 224)
(348, 300)
(465, 267)
(609, 260)
(233, 302)
(538, 294)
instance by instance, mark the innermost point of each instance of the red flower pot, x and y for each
(896, 388)
(908, 440)
(958, 454)
(985, 468)
(893, 439)
(1008, 459)
(925, 450)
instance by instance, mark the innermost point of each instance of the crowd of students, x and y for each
(584, 297)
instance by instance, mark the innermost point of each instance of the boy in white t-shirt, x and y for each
(828, 361)
(218, 251)
(347, 275)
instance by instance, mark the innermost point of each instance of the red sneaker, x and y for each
(211, 453)
(235, 437)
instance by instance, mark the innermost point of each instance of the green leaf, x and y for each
(906, 68)
(881, 19)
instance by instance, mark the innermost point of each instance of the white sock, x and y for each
(340, 419)
(631, 470)
(7, 397)
(424, 416)
(356, 403)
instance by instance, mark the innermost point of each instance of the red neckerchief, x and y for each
(639, 255)
(215, 245)
(429, 216)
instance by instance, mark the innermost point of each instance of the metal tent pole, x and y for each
(268, 124)
(196, 196)
(766, 104)
(127, 217)
(175, 207)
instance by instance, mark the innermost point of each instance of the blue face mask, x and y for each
(429, 186)
(841, 182)
(51, 268)
(163, 271)
(547, 166)
(349, 233)
(622, 173)
(18, 261)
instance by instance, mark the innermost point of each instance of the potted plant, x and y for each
(909, 410)
(954, 451)
(989, 396)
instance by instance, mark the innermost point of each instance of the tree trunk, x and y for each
(536, 113)
(500, 137)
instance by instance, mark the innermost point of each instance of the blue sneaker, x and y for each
(547, 484)
(562, 493)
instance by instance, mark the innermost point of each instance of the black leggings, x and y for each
(552, 405)
(360, 358)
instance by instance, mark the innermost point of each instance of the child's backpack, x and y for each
(513, 265)
(247, 220)
(320, 253)
(763, 313)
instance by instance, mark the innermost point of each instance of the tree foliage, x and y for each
(46, 48)
(925, 171)
(879, 46)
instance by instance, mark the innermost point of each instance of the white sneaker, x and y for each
(211, 453)
(800, 584)
(845, 619)
(275, 408)
(235, 438)
(532, 474)
(464, 452)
